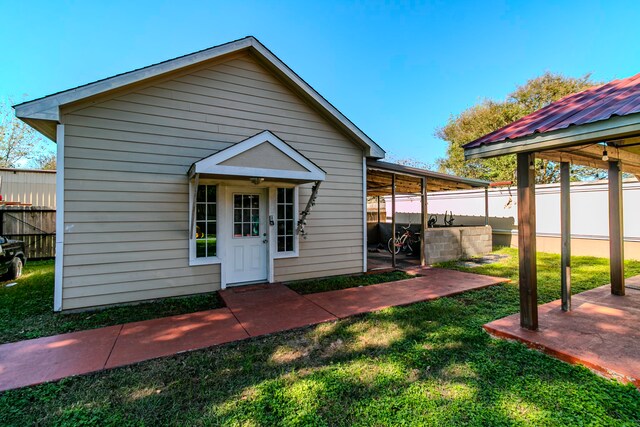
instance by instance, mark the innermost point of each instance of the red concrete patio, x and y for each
(266, 309)
(251, 311)
(601, 332)
(433, 283)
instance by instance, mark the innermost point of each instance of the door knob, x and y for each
(265, 241)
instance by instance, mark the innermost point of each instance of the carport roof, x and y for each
(589, 128)
(616, 98)
(409, 179)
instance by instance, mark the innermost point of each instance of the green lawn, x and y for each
(424, 364)
(26, 310)
(344, 282)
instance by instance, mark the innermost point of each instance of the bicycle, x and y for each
(403, 242)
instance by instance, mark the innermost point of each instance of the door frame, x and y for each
(227, 225)
(226, 186)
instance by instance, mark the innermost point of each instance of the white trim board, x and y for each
(59, 260)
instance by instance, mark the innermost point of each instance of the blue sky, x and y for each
(396, 69)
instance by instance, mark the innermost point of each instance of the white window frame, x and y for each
(273, 210)
(193, 260)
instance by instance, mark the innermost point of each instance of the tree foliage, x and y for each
(489, 115)
(20, 145)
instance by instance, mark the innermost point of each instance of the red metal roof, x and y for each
(616, 98)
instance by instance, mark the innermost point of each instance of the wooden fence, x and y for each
(35, 226)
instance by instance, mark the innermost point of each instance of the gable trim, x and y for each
(212, 164)
(48, 107)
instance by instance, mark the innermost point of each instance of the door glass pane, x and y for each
(246, 215)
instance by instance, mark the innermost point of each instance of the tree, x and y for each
(20, 145)
(46, 161)
(490, 115)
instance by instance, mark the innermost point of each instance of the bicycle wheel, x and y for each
(394, 244)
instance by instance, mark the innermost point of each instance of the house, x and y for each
(214, 169)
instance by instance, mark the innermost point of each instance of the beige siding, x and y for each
(264, 156)
(126, 192)
(37, 188)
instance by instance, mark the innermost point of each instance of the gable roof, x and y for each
(304, 170)
(616, 98)
(39, 111)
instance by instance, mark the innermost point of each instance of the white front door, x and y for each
(247, 257)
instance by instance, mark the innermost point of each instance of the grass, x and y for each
(26, 310)
(424, 364)
(344, 282)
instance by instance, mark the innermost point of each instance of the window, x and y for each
(286, 220)
(246, 215)
(206, 224)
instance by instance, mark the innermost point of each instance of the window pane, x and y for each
(280, 195)
(289, 195)
(211, 211)
(201, 228)
(289, 243)
(281, 247)
(246, 231)
(201, 248)
(280, 211)
(211, 193)
(246, 201)
(289, 211)
(211, 247)
(201, 196)
(237, 201)
(280, 228)
(237, 215)
(289, 224)
(200, 212)
(246, 215)
(255, 202)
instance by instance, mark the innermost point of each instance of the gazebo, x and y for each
(599, 127)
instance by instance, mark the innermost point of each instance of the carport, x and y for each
(394, 180)
(600, 128)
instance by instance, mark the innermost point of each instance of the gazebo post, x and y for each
(616, 234)
(565, 227)
(393, 218)
(527, 241)
(425, 222)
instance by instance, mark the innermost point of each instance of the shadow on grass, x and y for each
(427, 364)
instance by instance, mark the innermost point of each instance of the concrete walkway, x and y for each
(251, 311)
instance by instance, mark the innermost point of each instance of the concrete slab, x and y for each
(600, 332)
(40, 360)
(434, 283)
(265, 309)
(150, 339)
